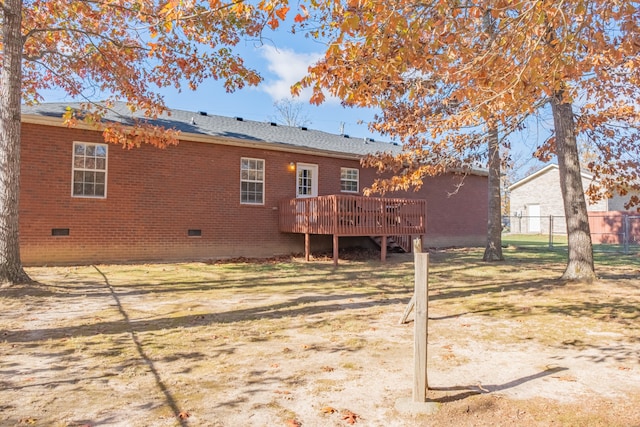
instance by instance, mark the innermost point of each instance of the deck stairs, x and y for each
(395, 244)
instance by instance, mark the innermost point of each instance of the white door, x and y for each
(534, 218)
(306, 187)
(307, 180)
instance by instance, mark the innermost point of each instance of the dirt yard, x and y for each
(286, 343)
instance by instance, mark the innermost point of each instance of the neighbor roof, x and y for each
(195, 125)
(541, 172)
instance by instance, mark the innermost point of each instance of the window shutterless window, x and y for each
(89, 170)
(252, 181)
(349, 180)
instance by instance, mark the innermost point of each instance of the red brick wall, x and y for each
(154, 196)
(457, 209)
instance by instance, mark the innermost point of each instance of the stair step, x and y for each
(392, 246)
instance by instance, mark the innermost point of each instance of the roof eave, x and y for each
(209, 139)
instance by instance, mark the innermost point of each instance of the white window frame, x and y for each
(345, 179)
(252, 180)
(89, 168)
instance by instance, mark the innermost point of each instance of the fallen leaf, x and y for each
(27, 421)
(184, 415)
(293, 423)
(570, 378)
(328, 369)
(349, 417)
(329, 410)
(282, 392)
(275, 365)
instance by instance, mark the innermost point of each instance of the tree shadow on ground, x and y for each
(168, 396)
(250, 278)
(620, 352)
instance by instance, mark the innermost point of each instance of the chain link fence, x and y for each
(610, 231)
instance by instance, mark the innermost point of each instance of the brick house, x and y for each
(536, 205)
(217, 194)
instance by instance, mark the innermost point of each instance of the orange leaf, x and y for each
(349, 417)
(302, 17)
(282, 12)
(329, 410)
(184, 415)
(293, 423)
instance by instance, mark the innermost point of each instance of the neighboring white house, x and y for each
(538, 196)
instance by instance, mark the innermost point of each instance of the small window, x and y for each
(89, 170)
(252, 181)
(349, 180)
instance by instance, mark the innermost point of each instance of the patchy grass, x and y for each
(263, 343)
(540, 242)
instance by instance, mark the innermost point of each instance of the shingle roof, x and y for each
(585, 174)
(200, 123)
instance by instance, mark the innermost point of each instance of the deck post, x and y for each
(383, 249)
(307, 247)
(336, 251)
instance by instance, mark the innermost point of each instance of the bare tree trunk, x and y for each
(493, 250)
(11, 270)
(580, 264)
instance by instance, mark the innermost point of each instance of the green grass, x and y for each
(540, 242)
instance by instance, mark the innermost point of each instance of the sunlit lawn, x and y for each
(191, 334)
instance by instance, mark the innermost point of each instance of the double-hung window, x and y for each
(89, 170)
(251, 181)
(349, 180)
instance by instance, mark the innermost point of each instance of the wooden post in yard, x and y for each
(421, 331)
(418, 403)
(417, 248)
(336, 250)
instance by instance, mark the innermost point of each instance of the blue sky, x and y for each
(281, 66)
(282, 59)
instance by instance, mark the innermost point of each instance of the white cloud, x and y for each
(288, 68)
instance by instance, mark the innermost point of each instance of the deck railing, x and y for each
(344, 215)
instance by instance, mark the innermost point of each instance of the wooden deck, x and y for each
(344, 215)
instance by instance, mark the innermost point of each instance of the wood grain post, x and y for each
(417, 246)
(307, 247)
(336, 250)
(421, 332)
(383, 249)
